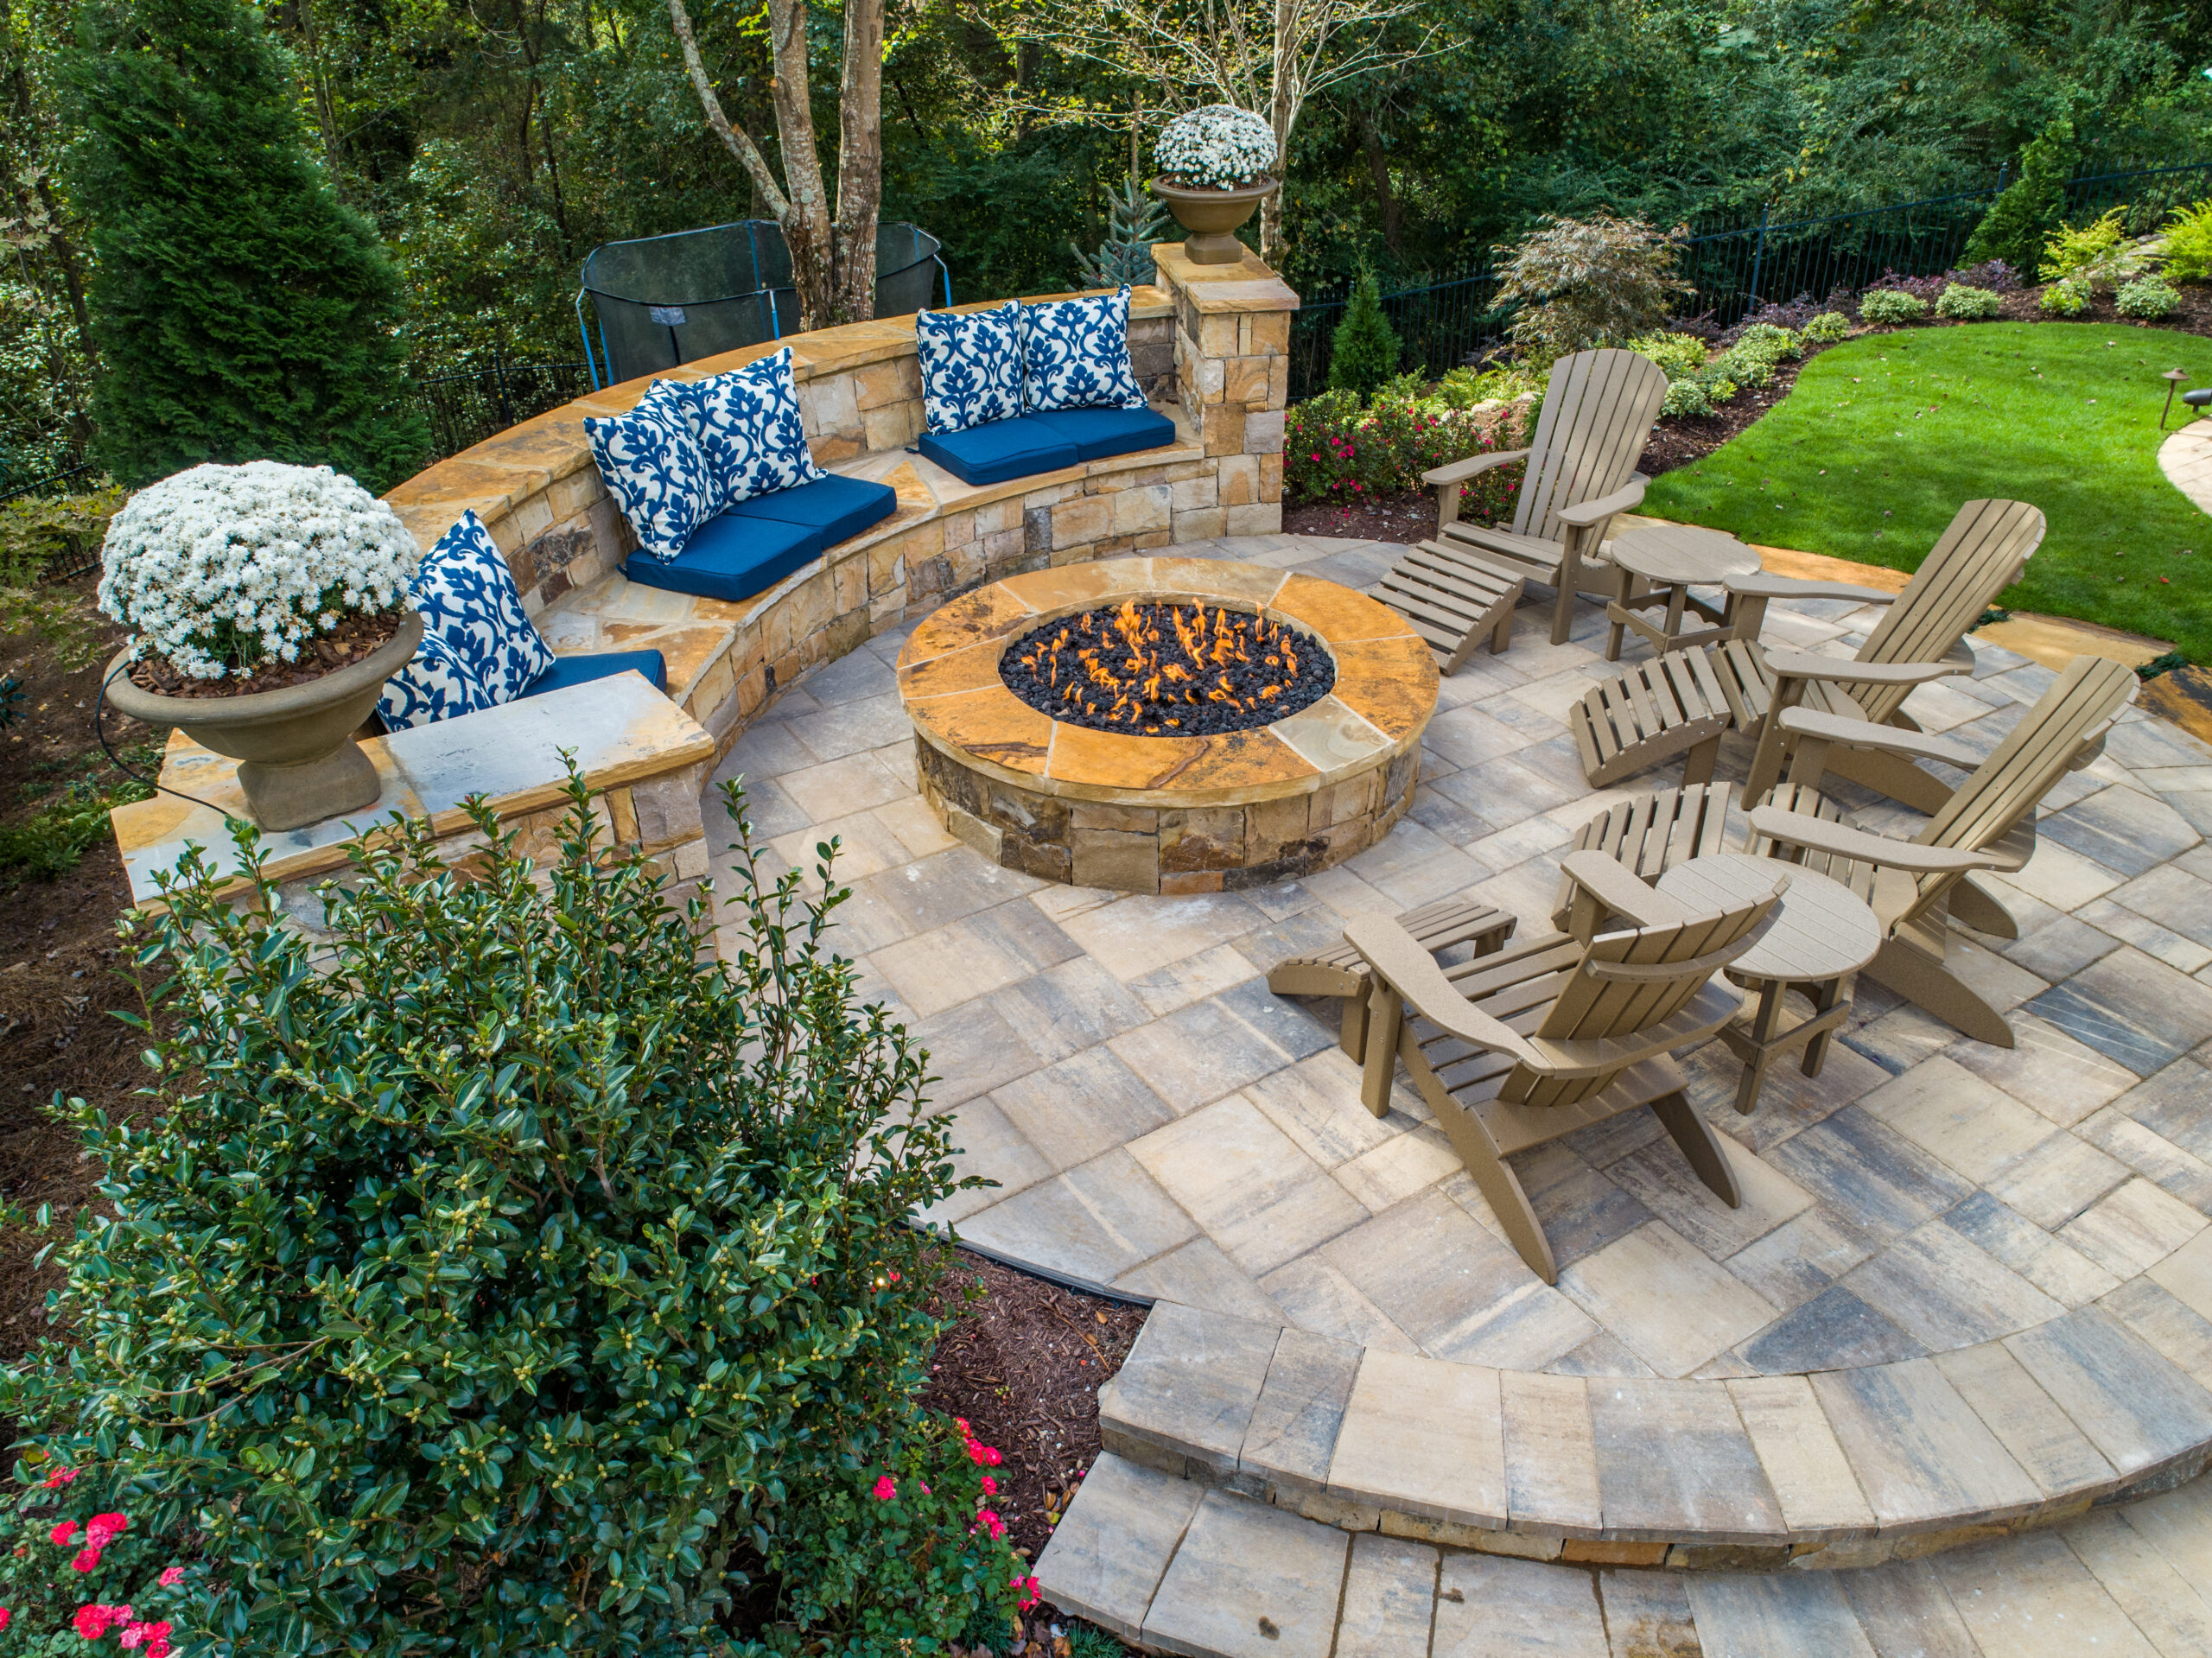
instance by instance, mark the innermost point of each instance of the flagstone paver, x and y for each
(1989, 1264)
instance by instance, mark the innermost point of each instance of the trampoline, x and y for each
(660, 300)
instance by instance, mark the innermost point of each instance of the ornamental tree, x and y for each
(496, 1277)
(242, 311)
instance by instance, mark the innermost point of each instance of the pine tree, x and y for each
(2019, 221)
(1134, 222)
(241, 311)
(1364, 352)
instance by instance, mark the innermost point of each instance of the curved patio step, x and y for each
(1837, 1469)
(1171, 1565)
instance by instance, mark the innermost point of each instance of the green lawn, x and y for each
(1883, 436)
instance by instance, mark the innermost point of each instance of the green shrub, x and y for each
(1687, 395)
(1337, 452)
(2087, 251)
(1364, 350)
(37, 531)
(2065, 298)
(1890, 306)
(1463, 388)
(2018, 221)
(1828, 327)
(1967, 304)
(2147, 296)
(1677, 353)
(1134, 220)
(55, 839)
(495, 1277)
(1585, 283)
(1089, 1641)
(2187, 245)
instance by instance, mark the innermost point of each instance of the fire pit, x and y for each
(1167, 725)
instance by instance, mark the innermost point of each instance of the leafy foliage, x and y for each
(1889, 307)
(1967, 304)
(80, 1558)
(1135, 219)
(1678, 354)
(2022, 219)
(2147, 296)
(71, 819)
(497, 1279)
(2187, 245)
(1585, 283)
(243, 313)
(1335, 451)
(1828, 327)
(1364, 350)
(2088, 252)
(37, 531)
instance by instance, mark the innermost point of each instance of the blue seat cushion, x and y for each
(729, 558)
(605, 664)
(837, 506)
(1097, 433)
(1000, 449)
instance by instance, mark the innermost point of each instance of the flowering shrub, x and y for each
(221, 568)
(496, 1278)
(1219, 147)
(1335, 451)
(80, 1571)
(907, 1546)
(1887, 307)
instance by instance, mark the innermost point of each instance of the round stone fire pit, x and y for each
(1168, 813)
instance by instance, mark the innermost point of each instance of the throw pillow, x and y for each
(674, 403)
(471, 606)
(971, 366)
(1076, 354)
(656, 472)
(748, 426)
(436, 685)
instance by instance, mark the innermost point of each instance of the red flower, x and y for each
(886, 1488)
(93, 1622)
(174, 1575)
(55, 1482)
(4, 1616)
(107, 1525)
(88, 1558)
(991, 1523)
(65, 1534)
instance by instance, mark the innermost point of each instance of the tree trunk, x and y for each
(1281, 115)
(1378, 168)
(859, 162)
(806, 219)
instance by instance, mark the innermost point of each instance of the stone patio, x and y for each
(1932, 1222)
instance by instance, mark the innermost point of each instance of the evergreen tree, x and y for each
(2019, 221)
(1134, 222)
(1364, 352)
(242, 311)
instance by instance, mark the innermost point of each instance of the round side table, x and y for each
(1671, 556)
(1820, 936)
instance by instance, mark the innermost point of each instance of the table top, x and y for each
(1681, 552)
(1821, 931)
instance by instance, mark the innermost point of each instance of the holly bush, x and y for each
(495, 1277)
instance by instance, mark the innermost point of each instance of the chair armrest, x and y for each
(1864, 733)
(1607, 881)
(1459, 471)
(1764, 584)
(1400, 962)
(1816, 834)
(1805, 664)
(1582, 514)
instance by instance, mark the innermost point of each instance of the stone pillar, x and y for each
(1232, 370)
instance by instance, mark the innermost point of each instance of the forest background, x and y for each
(495, 143)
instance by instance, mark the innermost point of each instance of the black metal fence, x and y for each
(467, 407)
(1451, 319)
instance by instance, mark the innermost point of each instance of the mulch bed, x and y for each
(354, 637)
(1023, 1366)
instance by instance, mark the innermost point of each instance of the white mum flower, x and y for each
(1218, 147)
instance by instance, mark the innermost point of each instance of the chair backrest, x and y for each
(1623, 985)
(1983, 552)
(1598, 406)
(2050, 741)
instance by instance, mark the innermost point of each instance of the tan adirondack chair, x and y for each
(1461, 586)
(1686, 700)
(1443, 928)
(1558, 1032)
(1916, 887)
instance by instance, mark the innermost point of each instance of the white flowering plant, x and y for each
(223, 568)
(1218, 147)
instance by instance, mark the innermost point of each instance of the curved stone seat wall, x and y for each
(1209, 346)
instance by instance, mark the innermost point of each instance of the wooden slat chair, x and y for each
(1683, 701)
(1650, 834)
(1916, 887)
(1461, 586)
(1439, 927)
(1558, 1032)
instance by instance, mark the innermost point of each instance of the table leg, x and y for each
(1824, 996)
(1761, 1044)
(1676, 595)
(1613, 637)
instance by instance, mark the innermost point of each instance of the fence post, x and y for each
(1759, 255)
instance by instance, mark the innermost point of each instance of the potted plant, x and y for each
(1216, 165)
(272, 606)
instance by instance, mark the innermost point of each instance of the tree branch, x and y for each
(740, 145)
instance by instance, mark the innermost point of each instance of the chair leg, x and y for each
(1386, 1019)
(1927, 984)
(1563, 611)
(1502, 635)
(1353, 1037)
(1978, 908)
(1494, 1179)
(1697, 768)
(1687, 1130)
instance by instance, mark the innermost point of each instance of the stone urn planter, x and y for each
(1212, 216)
(297, 760)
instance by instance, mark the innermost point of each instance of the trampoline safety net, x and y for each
(660, 300)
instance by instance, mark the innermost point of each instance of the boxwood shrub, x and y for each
(497, 1279)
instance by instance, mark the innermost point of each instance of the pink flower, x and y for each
(990, 1486)
(107, 1525)
(925, 1491)
(93, 1622)
(961, 1422)
(886, 1488)
(55, 1482)
(65, 1534)
(990, 1522)
(174, 1575)
(1028, 1587)
(88, 1558)
(5, 1615)
(154, 1636)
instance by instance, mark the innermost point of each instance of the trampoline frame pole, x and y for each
(590, 368)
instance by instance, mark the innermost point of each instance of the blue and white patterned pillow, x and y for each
(674, 403)
(972, 366)
(657, 474)
(436, 685)
(471, 606)
(1076, 354)
(748, 426)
